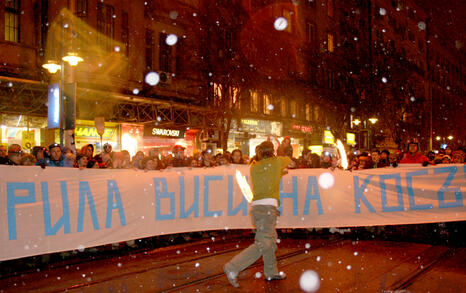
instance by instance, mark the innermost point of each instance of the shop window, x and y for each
(330, 42)
(268, 106)
(308, 112)
(105, 26)
(283, 107)
(12, 15)
(254, 102)
(294, 109)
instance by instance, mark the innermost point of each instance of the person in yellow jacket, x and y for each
(265, 177)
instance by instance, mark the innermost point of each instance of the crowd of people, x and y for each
(56, 156)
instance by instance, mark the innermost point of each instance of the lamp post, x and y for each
(365, 123)
(73, 59)
(443, 140)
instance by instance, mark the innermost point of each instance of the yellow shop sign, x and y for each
(89, 131)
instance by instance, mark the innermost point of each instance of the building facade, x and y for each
(227, 77)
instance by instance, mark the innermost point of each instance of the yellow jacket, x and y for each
(265, 177)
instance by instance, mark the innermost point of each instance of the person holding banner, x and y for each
(265, 177)
(413, 155)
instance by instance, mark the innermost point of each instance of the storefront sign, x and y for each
(91, 132)
(316, 149)
(163, 132)
(302, 128)
(328, 137)
(259, 126)
(251, 122)
(350, 138)
(28, 139)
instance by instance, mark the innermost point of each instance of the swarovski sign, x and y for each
(164, 132)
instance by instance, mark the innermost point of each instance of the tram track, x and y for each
(294, 253)
(196, 265)
(186, 284)
(406, 281)
(151, 268)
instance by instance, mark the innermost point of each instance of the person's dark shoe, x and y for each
(279, 276)
(231, 276)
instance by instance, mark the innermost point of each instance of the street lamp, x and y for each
(438, 138)
(365, 128)
(51, 66)
(450, 137)
(73, 59)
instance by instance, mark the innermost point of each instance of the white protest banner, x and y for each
(57, 209)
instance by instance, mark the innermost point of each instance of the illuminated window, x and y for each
(316, 113)
(294, 109)
(268, 107)
(254, 102)
(288, 15)
(105, 26)
(308, 112)
(283, 107)
(225, 95)
(330, 42)
(12, 14)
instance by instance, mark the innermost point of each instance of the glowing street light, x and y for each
(373, 120)
(356, 122)
(450, 137)
(438, 138)
(72, 58)
(51, 66)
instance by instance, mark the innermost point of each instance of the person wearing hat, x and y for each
(265, 176)
(179, 160)
(55, 158)
(413, 155)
